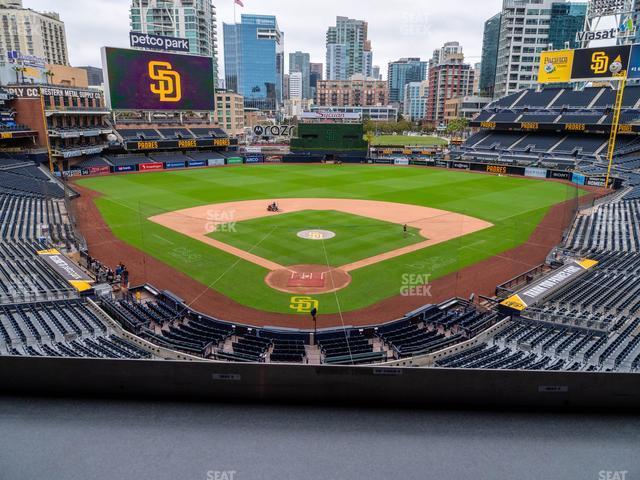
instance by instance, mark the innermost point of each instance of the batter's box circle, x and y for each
(316, 234)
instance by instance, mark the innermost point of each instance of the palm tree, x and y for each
(19, 69)
(369, 138)
(49, 74)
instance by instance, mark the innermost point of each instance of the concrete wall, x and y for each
(68, 76)
(362, 386)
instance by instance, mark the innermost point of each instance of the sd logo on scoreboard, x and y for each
(600, 63)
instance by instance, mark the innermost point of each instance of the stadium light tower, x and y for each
(622, 11)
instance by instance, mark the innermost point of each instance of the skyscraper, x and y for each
(296, 86)
(367, 60)
(348, 49)
(317, 68)
(336, 61)
(415, 100)
(449, 77)
(254, 60)
(402, 72)
(315, 76)
(301, 62)
(440, 55)
(525, 31)
(94, 76)
(191, 19)
(490, 42)
(567, 19)
(32, 33)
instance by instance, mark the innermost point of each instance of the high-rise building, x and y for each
(346, 46)
(376, 73)
(191, 19)
(315, 76)
(317, 68)
(567, 19)
(490, 42)
(254, 61)
(477, 68)
(32, 34)
(449, 77)
(296, 86)
(525, 31)
(285, 86)
(367, 60)
(94, 76)
(336, 61)
(402, 72)
(448, 50)
(301, 62)
(415, 100)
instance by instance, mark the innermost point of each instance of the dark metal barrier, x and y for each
(362, 386)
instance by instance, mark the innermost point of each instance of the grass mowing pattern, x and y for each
(514, 205)
(356, 237)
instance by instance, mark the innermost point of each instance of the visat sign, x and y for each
(610, 34)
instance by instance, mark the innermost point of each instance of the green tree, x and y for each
(457, 125)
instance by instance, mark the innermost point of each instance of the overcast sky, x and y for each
(397, 28)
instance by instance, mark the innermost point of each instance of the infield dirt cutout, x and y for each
(436, 226)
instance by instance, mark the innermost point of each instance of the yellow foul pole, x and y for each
(615, 123)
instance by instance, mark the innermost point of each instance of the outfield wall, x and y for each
(321, 385)
(360, 158)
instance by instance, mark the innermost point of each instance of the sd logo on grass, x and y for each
(303, 304)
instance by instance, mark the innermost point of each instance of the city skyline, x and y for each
(403, 31)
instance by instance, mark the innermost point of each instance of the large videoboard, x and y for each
(142, 80)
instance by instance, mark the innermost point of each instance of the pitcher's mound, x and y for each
(308, 279)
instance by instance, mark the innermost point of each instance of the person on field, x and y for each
(404, 230)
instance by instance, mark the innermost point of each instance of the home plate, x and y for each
(307, 279)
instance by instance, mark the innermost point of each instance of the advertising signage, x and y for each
(173, 144)
(145, 80)
(147, 167)
(600, 63)
(159, 42)
(555, 66)
(585, 64)
(634, 63)
(170, 165)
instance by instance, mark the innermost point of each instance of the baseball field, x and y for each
(344, 238)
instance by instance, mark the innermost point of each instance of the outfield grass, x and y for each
(514, 205)
(275, 238)
(402, 140)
